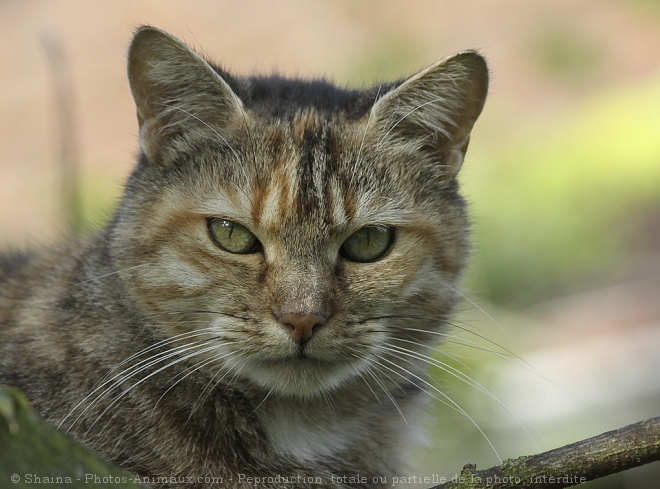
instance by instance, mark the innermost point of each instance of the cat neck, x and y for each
(335, 423)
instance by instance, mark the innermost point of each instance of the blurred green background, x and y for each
(562, 320)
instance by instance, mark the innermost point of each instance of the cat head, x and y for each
(295, 235)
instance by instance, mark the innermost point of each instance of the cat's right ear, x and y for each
(175, 90)
(434, 111)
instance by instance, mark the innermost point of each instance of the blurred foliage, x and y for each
(98, 199)
(555, 204)
(647, 6)
(390, 59)
(563, 52)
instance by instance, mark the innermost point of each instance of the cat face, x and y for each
(291, 234)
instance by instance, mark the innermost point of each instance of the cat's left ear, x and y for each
(175, 91)
(433, 112)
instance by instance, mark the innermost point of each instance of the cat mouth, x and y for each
(298, 375)
(302, 354)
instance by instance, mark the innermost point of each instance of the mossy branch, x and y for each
(34, 453)
(593, 458)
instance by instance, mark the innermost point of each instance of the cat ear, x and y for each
(433, 111)
(174, 90)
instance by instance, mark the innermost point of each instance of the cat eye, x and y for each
(231, 236)
(368, 244)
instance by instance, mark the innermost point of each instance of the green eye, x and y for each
(232, 237)
(368, 244)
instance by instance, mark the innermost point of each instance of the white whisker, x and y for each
(144, 379)
(191, 370)
(457, 374)
(109, 274)
(115, 381)
(385, 390)
(449, 402)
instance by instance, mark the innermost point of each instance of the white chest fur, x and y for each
(310, 433)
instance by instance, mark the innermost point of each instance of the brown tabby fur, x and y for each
(165, 353)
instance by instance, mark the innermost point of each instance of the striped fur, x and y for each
(168, 355)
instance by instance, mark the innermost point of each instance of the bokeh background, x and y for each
(561, 325)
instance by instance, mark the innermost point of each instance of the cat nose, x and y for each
(302, 326)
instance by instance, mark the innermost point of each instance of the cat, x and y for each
(258, 309)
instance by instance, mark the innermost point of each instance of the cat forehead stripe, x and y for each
(272, 198)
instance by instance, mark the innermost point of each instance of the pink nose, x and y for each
(302, 326)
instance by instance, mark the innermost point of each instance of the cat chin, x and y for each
(297, 378)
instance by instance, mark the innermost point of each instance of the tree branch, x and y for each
(615, 451)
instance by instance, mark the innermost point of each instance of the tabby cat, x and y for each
(261, 303)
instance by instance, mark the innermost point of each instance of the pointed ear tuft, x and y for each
(175, 90)
(435, 110)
